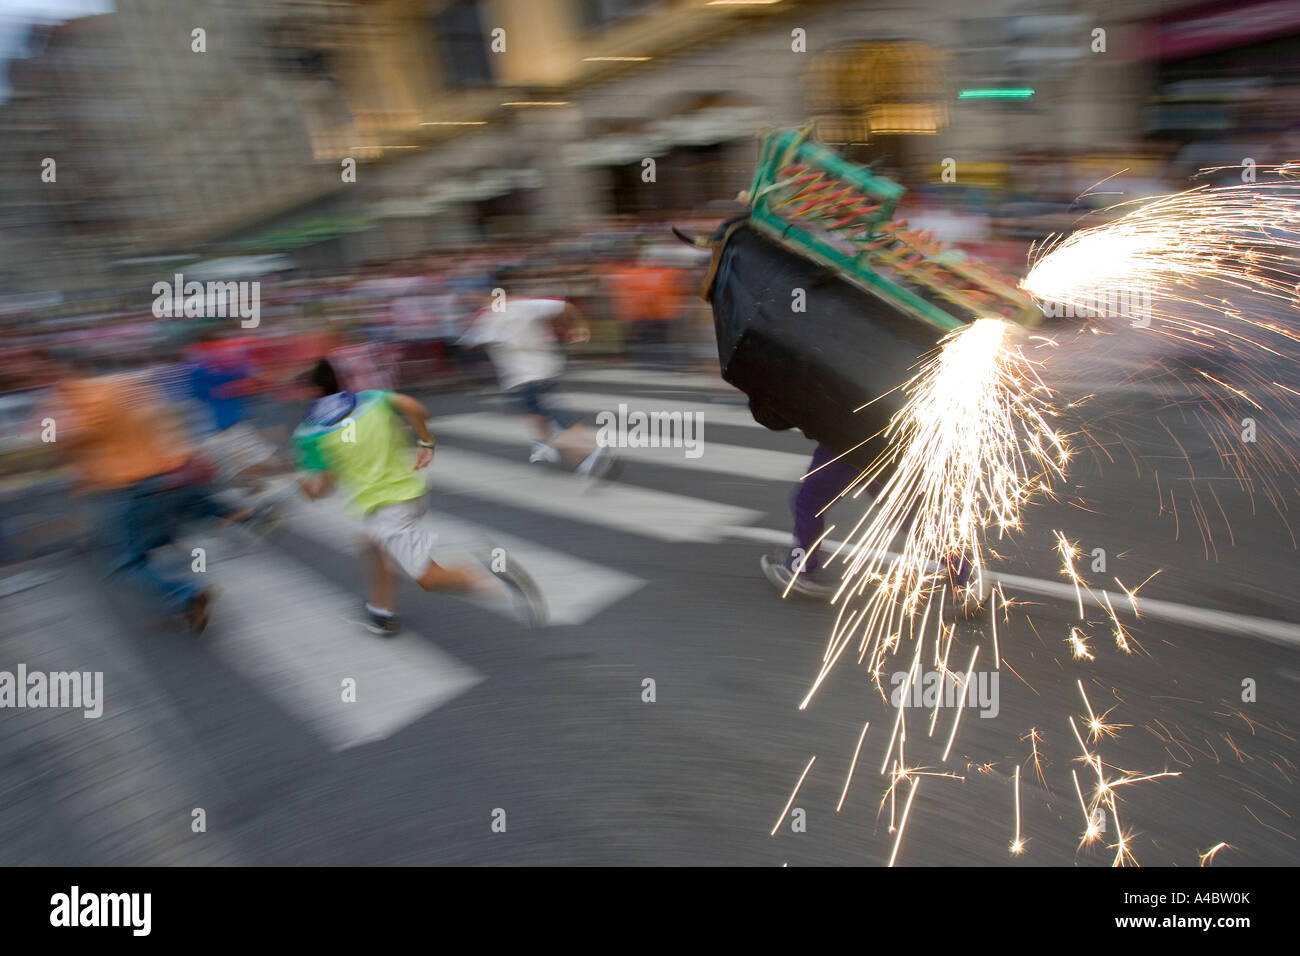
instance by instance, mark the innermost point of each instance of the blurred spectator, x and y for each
(129, 450)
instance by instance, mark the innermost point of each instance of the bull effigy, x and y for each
(823, 301)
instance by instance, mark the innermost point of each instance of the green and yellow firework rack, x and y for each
(842, 215)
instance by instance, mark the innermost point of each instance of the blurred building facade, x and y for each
(155, 147)
(513, 118)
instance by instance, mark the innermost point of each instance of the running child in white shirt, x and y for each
(523, 337)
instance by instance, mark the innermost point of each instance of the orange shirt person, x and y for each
(127, 447)
(118, 431)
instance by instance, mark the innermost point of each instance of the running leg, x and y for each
(828, 476)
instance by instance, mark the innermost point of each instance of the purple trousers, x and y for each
(811, 497)
(816, 492)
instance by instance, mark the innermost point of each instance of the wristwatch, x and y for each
(424, 444)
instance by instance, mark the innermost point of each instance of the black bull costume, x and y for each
(823, 303)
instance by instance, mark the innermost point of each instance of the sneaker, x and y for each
(806, 584)
(596, 467)
(527, 597)
(385, 625)
(542, 452)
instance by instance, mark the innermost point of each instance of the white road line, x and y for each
(715, 457)
(297, 637)
(1225, 622)
(627, 508)
(575, 590)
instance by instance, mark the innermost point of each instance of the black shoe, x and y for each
(806, 584)
(197, 611)
(385, 625)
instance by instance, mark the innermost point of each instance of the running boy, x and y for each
(523, 338)
(357, 440)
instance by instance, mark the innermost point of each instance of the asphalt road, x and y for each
(473, 720)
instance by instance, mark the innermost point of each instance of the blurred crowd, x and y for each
(400, 324)
(391, 325)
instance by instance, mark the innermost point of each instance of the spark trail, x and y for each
(1213, 272)
(972, 443)
(1207, 269)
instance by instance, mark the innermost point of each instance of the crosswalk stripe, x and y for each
(297, 637)
(714, 456)
(627, 508)
(575, 590)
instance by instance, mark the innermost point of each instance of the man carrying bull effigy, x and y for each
(823, 302)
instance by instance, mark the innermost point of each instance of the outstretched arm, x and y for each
(415, 415)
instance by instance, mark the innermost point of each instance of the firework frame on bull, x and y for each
(824, 302)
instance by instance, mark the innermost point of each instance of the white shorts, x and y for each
(399, 531)
(236, 448)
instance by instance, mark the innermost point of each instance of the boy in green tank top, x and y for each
(356, 442)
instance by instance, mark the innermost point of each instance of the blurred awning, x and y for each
(475, 187)
(696, 127)
(306, 232)
(233, 267)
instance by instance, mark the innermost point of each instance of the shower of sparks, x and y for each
(1160, 248)
(1077, 639)
(1103, 795)
(1210, 270)
(971, 445)
(907, 775)
(975, 442)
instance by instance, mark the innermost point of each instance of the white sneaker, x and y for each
(543, 452)
(594, 467)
